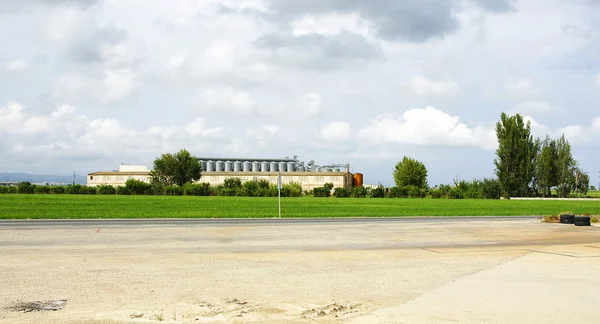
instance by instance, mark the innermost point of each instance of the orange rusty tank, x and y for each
(358, 180)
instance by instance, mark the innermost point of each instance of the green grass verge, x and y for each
(14, 206)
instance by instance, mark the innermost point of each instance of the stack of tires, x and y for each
(567, 219)
(577, 220)
(582, 221)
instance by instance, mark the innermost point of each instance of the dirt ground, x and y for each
(325, 273)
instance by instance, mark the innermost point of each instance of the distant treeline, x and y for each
(476, 189)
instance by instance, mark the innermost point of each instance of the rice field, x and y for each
(14, 206)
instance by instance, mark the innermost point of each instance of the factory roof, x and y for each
(233, 174)
(245, 159)
(122, 173)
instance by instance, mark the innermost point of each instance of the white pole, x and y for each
(279, 191)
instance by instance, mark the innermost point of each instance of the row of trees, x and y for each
(262, 188)
(528, 166)
(525, 166)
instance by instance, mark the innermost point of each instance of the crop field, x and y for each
(594, 193)
(15, 206)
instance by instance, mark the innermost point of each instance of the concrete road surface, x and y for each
(422, 270)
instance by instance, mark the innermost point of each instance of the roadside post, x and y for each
(279, 191)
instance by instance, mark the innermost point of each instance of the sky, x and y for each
(88, 84)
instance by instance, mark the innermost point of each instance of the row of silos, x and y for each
(249, 166)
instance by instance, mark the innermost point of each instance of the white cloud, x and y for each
(120, 84)
(427, 127)
(329, 24)
(109, 87)
(423, 86)
(311, 104)
(521, 88)
(597, 81)
(16, 66)
(62, 133)
(336, 131)
(226, 99)
(533, 107)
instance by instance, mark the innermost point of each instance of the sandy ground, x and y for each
(468, 272)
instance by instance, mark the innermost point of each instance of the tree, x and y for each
(515, 155)
(410, 172)
(545, 167)
(582, 181)
(565, 167)
(175, 169)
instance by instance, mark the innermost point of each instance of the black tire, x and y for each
(567, 221)
(567, 216)
(582, 219)
(583, 224)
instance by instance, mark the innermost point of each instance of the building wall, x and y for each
(115, 178)
(308, 180)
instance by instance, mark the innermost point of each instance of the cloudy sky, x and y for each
(86, 85)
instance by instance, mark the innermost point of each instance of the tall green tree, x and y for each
(410, 172)
(565, 167)
(175, 169)
(545, 167)
(515, 155)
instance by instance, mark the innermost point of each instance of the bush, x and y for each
(264, 184)
(85, 190)
(270, 191)
(491, 188)
(57, 190)
(106, 190)
(138, 187)
(41, 190)
(378, 192)
(293, 189)
(341, 193)
(249, 189)
(359, 192)
(322, 192)
(398, 192)
(414, 192)
(173, 190)
(25, 187)
(120, 190)
(73, 190)
(435, 193)
(196, 189)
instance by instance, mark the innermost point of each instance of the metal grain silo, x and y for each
(282, 167)
(228, 166)
(255, 166)
(237, 166)
(273, 167)
(357, 180)
(203, 164)
(210, 166)
(219, 166)
(247, 166)
(291, 166)
(264, 166)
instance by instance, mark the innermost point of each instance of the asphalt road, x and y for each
(249, 221)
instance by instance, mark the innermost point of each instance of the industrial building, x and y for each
(216, 170)
(120, 176)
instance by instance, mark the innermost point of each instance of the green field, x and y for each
(594, 193)
(13, 206)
